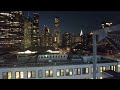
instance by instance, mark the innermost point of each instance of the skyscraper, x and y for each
(66, 39)
(57, 36)
(27, 33)
(47, 38)
(11, 29)
(35, 31)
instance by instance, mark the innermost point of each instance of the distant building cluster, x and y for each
(43, 54)
(18, 31)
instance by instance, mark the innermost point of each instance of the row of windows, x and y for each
(46, 56)
(102, 68)
(49, 73)
(18, 75)
(112, 68)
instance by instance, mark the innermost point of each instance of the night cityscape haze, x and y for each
(59, 44)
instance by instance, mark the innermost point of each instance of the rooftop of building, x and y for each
(11, 59)
(52, 63)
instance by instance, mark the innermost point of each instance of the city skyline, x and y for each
(28, 50)
(74, 21)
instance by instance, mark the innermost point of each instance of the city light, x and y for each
(27, 52)
(35, 49)
(50, 51)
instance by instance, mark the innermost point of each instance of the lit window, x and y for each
(111, 67)
(104, 68)
(77, 71)
(40, 74)
(101, 78)
(100, 69)
(55, 39)
(85, 70)
(114, 68)
(49, 73)
(62, 72)
(58, 73)
(31, 74)
(19, 74)
(7, 75)
(69, 72)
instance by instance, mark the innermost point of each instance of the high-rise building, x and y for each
(66, 39)
(11, 29)
(87, 40)
(35, 31)
(27, 33)
(77, 38)
(57, 36)
(47, 38)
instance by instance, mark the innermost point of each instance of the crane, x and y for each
(101, 33)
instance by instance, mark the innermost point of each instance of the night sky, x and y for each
(74, 21)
